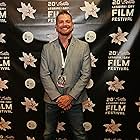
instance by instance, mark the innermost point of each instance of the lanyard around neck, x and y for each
(62, 57)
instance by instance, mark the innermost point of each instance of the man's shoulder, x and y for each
(50, 44)
(81, 44)
(80, 41)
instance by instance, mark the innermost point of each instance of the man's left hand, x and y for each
(64, 101)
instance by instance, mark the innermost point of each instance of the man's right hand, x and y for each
(64, 102)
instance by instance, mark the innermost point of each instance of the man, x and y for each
(65, 71)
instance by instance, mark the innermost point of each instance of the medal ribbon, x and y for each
(63, 61)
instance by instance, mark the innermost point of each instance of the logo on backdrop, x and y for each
(6, 105)
(119, 37)
(26, 10)
(7, 137)
(119, 61)
(115, 85)
(90, 9)
(87, 126)
(123, 10)
(3, 12)
(138, 104)
(4, 61)
(2, 40)
(113, 127)
(28, 60)
(60, 127)
(88, 104)
(93, 60)
(31, 124)
(30, 83)
(54, 7)
(115, 106)
(5, 125)
(28, 37)
(29, 104)
(90, 36)
(138, 126)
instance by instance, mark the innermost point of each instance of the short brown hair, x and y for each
(62, 12)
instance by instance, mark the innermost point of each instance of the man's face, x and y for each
(64, 25)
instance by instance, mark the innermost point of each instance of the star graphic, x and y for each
(29, 104)
(138, 104)
(90, 9)
(2, 35)
(88, 104)
(28, 60)
(115, 85)
(60, 127)
(93, 60)
(119, 37)
(3, 84)
(4, 125)
(26, 11)
(113, 127)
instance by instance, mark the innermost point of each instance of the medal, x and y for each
(61, 81)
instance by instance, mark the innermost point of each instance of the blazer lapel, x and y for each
(70, 50)
(58, 53)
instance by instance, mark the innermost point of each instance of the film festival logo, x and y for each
(4, 61)
(7, 137)
(54, 7)
(6, 105)
(115, 105)
(119, 61)
(3, 12)
(123, 10)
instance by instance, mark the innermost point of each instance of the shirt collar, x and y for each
(69, 40)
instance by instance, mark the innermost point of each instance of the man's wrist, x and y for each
(56, 99)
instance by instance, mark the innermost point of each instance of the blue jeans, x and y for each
(74, 117)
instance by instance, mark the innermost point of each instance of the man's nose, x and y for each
(64, 23)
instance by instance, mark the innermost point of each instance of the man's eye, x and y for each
(60, 22)
(68, 21)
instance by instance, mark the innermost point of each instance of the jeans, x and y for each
(74, 118)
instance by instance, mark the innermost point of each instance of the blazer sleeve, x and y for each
(46, 79)
(85, 74)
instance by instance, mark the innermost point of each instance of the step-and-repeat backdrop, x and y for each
(111, 27)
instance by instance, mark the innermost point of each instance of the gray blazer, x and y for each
(77, 70)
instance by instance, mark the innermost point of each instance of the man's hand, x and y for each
(64, 102)
(68, 107)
